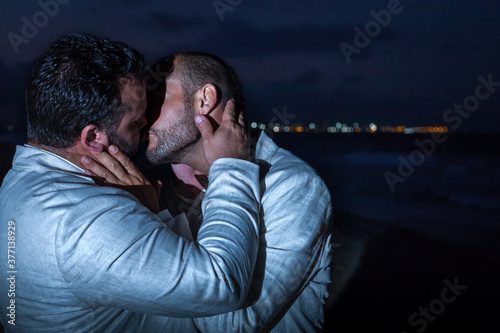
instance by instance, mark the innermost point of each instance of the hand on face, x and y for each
(115, 169)
(230, 140)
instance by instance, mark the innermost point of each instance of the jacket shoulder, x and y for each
(286, 162)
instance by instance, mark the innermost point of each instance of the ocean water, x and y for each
(452, 193)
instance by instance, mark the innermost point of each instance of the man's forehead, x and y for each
(173, 82)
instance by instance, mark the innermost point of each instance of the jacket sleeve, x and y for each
(114, 252)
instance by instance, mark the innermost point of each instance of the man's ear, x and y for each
(93, 139)
(206, 99)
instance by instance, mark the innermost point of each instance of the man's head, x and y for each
(187, 84)
(87, 90)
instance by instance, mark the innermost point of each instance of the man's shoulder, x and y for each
(287, 161)
(281, 166)
(55, 184)
(292, 169)
(280, 159)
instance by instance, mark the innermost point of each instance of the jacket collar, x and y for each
(37, 159)
(266, 148)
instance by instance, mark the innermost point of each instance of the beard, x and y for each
(176, 141)
(125, 147)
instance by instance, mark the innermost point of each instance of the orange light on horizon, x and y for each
(372, 128)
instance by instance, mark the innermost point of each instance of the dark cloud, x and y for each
(171, 23)
(236, 38)
(288, 53)
(310, 77)
(13, 81)
(311, 104)
(255, 41)
(352, 80)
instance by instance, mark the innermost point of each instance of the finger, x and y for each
(229, 111)
(125, 162)
(95, 168)
(204, 126)
(241, 119)
(117, 171)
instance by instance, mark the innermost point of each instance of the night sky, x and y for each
(420, 59)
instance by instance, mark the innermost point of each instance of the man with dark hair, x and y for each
(79, 81)
(290, 284)
(89, 258)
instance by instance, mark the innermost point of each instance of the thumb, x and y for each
(204, 126)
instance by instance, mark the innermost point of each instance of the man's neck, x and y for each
(69, 154)
(195, 159)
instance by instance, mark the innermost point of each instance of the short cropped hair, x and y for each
(76, 82)
(194, 70)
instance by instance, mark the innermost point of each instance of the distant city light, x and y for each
(340, 127)
(409, 130)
